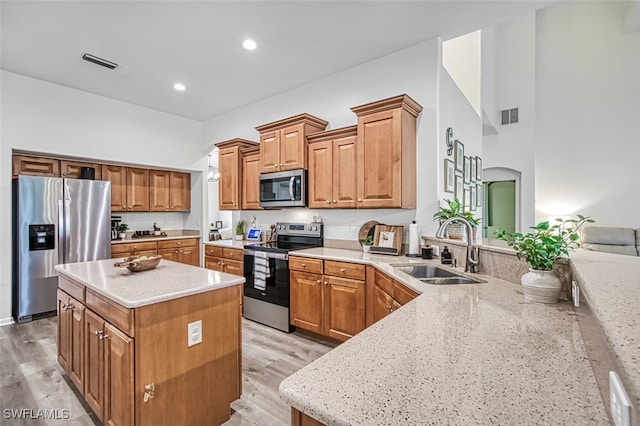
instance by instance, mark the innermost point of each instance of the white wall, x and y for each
(509, 80)
(587, 115)
(43, 117)
(462, 58)
(412, 71)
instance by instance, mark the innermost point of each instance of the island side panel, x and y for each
(192, 385)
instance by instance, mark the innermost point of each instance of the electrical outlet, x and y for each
(619, 403)
(575, 294)
(194, 333)
(436, 250)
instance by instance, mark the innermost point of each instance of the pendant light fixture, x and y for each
(212, 174)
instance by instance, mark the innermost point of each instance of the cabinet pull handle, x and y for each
(63, 306)
(103, 336)
(70, 307)
(148, 392)
(98, 333)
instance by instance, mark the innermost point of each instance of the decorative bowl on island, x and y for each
(139, 263)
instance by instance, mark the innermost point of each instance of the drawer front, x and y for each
(72, 288)
(233, 267)
(403, 294)
(344, 269)
(233, 254)
(118, 315)
(187, 242)
(384, 282)
(305, 264)
(212, 251)
(133, 247)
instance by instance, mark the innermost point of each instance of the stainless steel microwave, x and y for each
(284, 189)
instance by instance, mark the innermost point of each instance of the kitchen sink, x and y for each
(437, 276)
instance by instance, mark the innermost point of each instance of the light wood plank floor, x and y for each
(31, 378)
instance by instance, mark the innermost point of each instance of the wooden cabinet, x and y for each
(129, 188)
(386, 153)
(224, 259)
(147, 248)
(251, 179)
(73, 169)
(169, 191)
(283, 144)
(71, 338)
(117, 370)
(183, 251)
(330, 303)
(35, 166)
(333, 169)
(230, 165)
(389, 295)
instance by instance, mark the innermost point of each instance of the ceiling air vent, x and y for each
(99, 61)
(509, 116)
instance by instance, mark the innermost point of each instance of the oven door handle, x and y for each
(270, 255)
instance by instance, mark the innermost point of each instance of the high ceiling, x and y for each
(158, 43)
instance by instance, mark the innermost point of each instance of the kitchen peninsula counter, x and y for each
(457, 354)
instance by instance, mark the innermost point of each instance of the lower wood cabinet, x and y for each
(224, 259)
(71, 341)
(389, 295)
(330, 303)
(185, 250)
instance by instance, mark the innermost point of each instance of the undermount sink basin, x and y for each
(434, 275)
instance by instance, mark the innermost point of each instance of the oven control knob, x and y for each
(314, 228)
(308, 228)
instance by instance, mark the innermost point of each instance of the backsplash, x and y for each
(144, 221)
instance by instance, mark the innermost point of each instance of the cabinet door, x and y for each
(117, 175)
(64, 331)
(307, 301)
(270, 151)
(293, 148)
(180, 192)
(379, 160)
(228, 184)
(321, 175)
(170, 254)
(35, 166)
(137, 190)
(73, 169)
(233, 267)
(189, 256)
(76, 364)
(118, 377)
(344, 173)
(344, 301)
(159, 181)
(94, 360)
(213, 263)
(383, 304)
(251, 182)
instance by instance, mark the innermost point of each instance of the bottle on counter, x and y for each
(446, 258)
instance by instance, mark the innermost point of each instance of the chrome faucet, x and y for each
(471, 263)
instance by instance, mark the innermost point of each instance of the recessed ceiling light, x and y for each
(249, 44)
(180, 87)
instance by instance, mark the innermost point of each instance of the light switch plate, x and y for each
(619, 403)
(194, 333)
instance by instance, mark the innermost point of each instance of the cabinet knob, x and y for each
(359, 200)
(124, 207)
(326, 283)
(63, 306)
(335, 201)
(304, 265)
(167, 208)
(319, 282)
(342, 270)
(64, 174)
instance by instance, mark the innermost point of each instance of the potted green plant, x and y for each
(122, 230)
(240, 229)
(455, 231)
(542, 248)
(367, 243)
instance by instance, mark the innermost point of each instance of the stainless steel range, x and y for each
(266, 271)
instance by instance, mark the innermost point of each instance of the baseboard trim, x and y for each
(6, 321)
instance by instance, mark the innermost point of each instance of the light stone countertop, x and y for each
(169, 280)
(459, 354)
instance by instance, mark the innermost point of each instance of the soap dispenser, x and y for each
(445, 257)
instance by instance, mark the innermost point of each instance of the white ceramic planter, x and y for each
(239, 237)
(366, 248)
(541, 286)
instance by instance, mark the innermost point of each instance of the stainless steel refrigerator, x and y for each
(55, 221)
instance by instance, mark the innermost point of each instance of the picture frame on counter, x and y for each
(467, 170)
(459, 157)
(449, 176)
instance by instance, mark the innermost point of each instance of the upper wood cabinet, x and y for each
(230, 166)
(73, 169)
(129, 188)
(35, 166)
(169, 191)
(386, 153)
(283, 143)
(333, 168)
(251, 179)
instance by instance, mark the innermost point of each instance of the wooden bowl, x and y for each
(135, 264)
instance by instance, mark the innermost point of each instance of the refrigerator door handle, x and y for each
(61, 232)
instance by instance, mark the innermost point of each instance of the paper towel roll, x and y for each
(414, 239)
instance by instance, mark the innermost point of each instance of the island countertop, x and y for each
(458, 354)
(169, 280)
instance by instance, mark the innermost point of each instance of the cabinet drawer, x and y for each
(72, 288)
(188, 242)
(212, 251)
(383, 281)
(133, 247)
(305, 264)
(234, 254)
(118, 315)
(344, 269)
(403, 294)
(233, 267)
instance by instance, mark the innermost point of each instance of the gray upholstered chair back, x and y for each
(610, 240)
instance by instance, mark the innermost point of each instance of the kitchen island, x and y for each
(129, 341)
(457, 354)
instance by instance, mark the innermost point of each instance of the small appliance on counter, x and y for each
(115, 222)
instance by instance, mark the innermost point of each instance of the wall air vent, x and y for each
(99, 61)
(509, 116)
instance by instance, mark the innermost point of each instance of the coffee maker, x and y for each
(115, 221)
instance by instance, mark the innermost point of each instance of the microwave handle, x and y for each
(292, 181)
